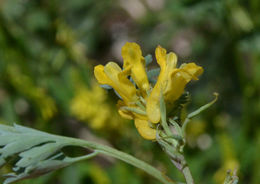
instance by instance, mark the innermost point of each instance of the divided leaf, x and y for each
(35, 152)
(148, 59)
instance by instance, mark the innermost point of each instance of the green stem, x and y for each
(187, 175)
(204, 107)
(196, 112)
(121, 156)
(181, 165)
(163, 117)
(186, 121)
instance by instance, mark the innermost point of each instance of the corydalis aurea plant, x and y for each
(140, 100)
(155, 106)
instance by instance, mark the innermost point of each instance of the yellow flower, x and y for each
(144, 129)
(130, 107)
(86, 104)
(141, 121)
(112, 75)
(171, 82)
(142, 103)
(134, 62)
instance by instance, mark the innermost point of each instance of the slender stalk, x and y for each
(182, 166)
(187, 175)
(163, 117)
(121, 156)
(196, 112)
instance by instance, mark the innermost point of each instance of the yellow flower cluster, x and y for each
(140, 100)
(89, 103)
(229, 160)
(24, 84)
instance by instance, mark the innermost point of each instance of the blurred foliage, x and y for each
(48, 50)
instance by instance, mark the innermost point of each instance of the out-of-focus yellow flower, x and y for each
(229, 161)
(171, 81)
(142, 103)
(88, 104)
(231, 164)
(24, 84)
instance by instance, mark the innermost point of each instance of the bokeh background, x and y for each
(47, 53)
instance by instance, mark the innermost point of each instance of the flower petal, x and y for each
(171, 60)
(192, 69)
(160, 54)
(153, 105)
(178, 79)
(100, 75)
(175, 87)
(133, 59)
(112, 75)
(144, 129)
(124, 113)
(167, 63)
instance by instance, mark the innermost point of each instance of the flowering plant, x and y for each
(152, 98)
(139, 100)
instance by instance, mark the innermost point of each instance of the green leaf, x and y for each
(163, 109)
(36, 152)
(153, 74)
(105, 86)
(164, 118)
(176, 127)
(148, 59)
(2, 162)
(204, 107)
(17, 144)
(196, 112)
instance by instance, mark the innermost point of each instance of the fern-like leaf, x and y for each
(35, 152)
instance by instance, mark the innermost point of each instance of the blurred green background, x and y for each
(47, 53)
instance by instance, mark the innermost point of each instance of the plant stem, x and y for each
(182, 166)
(187, 175)
(121, 156)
